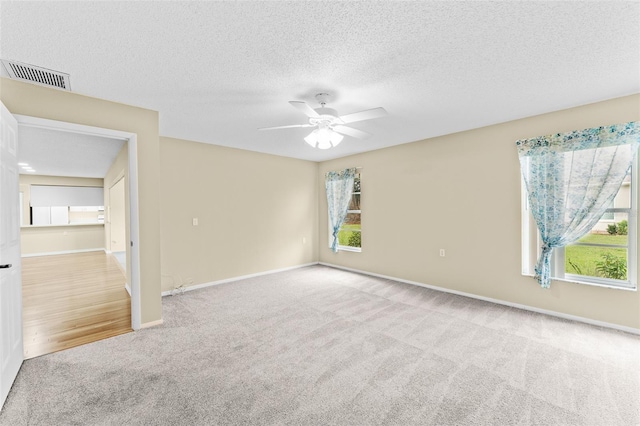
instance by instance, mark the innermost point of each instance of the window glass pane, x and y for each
(612, 232)
(608, 215)
(349, 234)
(350, 231)
(615, 240)
(356, 183)
(352, 219)
(354, 204)
(592, 261)
(623, 199)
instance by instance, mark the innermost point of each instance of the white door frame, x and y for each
(134, 222)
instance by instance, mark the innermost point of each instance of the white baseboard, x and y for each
(53, 253)
(496, 301)
(126, 287)
(242, 277)
(151, 324)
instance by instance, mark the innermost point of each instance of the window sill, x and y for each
(576, 281)
(352, 249)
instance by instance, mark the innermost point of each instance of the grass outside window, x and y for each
(346, 235)
(586, 260)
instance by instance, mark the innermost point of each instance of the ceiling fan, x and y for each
(330, 127)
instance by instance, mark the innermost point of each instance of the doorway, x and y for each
(131, 246)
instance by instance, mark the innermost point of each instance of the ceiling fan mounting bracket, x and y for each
(322, 98)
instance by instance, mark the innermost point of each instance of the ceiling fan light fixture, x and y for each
(330, 127)
(324, 145)
(323, 138)
(336, 138)
(312, 139)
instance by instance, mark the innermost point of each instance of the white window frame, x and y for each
(531, 244)
(349, 248)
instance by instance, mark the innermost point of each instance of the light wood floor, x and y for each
(72, 299)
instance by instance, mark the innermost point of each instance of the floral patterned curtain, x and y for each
(339, 186)
(571, 179)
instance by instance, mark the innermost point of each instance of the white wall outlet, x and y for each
(441, 252)
(195, 221)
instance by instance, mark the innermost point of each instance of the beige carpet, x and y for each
(319, 346)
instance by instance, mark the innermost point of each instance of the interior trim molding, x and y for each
(53, 253)
(151, 324)
(496, 301)
(126, 287)
(228, 280)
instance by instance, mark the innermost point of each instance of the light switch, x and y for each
(195, 221)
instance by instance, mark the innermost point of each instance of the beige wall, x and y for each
(117, 233)
(461, 192)
(32, 100)
(56, 239)
(253, 211)
(119, 169)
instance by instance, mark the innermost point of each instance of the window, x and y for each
(604, 256)
(350, 235)
(608, 214)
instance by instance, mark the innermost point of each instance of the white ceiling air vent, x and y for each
(38, 75)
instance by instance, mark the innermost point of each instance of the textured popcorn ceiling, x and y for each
(217, 71)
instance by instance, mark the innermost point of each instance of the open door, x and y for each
(11, 348)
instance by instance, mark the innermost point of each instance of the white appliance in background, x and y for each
(41, 215)
(59, 215)
(55, 215)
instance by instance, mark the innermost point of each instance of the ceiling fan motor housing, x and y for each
(328, 116)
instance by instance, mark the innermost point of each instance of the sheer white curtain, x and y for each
(339, 186)
(571, 179)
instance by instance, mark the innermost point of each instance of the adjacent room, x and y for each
(320, 213)
(72, 239)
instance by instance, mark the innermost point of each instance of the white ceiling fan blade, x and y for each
(364, 115)
(286, 127)
(306, 109)
(350, 131)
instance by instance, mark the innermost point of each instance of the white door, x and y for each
(11, 350)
